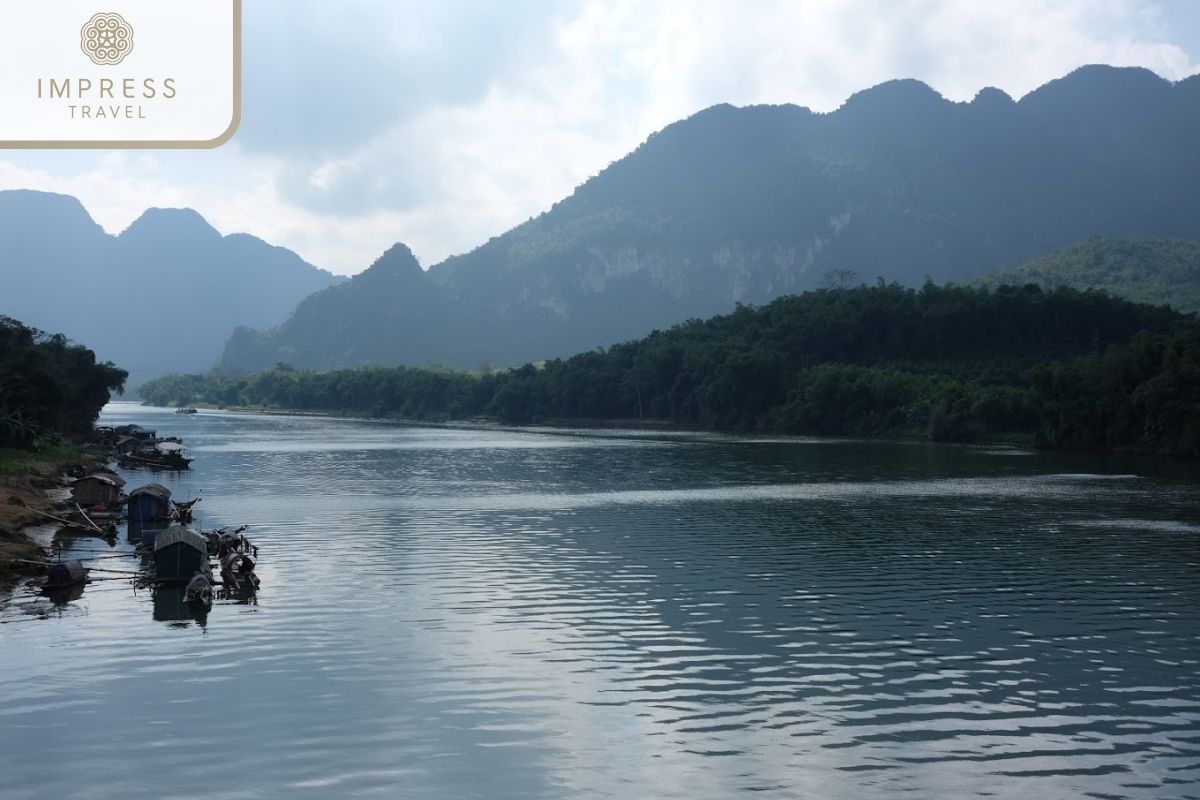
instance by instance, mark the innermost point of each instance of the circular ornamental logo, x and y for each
(106, 38)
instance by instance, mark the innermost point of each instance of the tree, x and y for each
(839, 279)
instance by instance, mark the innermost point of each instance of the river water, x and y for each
(477, 612)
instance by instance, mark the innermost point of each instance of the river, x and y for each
(494, 613)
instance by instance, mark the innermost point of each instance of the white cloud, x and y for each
(444, 125)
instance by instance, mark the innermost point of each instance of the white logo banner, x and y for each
(120, 73)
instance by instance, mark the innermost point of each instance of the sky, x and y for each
(443, 123)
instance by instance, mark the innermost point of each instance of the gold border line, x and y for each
(152, 144)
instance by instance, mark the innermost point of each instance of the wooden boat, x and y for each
(156, 459)
(64, 575)
(101, 488)
(237, 571)
(199, 590)
(150, 503)
(179, 554)
(183, 510)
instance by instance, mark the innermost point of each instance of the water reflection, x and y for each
(171, 605)
(62, 595)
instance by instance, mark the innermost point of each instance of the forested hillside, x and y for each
(1140, 268)
(950, 363)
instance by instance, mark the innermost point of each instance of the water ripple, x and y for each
(489, 613)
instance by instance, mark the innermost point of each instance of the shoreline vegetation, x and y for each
(27, 478)
(1064, 368)
(51, 392)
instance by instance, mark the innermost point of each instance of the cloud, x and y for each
(321, 77)
(442, 124)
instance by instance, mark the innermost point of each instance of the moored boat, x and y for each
(183, 510)
(101, 488)
(150, 503)
(65, 574)
(164, 455)
(179, 554)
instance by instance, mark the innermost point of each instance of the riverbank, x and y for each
(25, 477)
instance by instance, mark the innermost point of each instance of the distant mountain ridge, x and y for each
(160, 297)
(747, 204)
(373, 295)
(1144, 269)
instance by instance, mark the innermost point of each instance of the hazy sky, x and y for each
(443, 123)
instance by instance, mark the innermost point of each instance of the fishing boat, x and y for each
(183, 510)
(150, 503)
(179, 554)
(101, 488)
(237, 571)
(163, 455)
(64, 575)
(199, 590)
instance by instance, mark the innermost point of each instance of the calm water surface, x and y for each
(489, 613)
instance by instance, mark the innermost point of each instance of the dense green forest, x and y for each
(1145, 269)
(950, 363)
(49, 386)
(1144, 395)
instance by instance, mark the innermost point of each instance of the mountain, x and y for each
(747, 204)
(393, 297)
(161, 297)
(1144, 269)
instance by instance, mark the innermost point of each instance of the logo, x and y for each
(106, 39)
(157, 73)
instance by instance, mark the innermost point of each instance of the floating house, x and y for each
(179, 554)
(108, 472)
(170, 456)
(149, 503)
(97, 489)
(128, 444)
